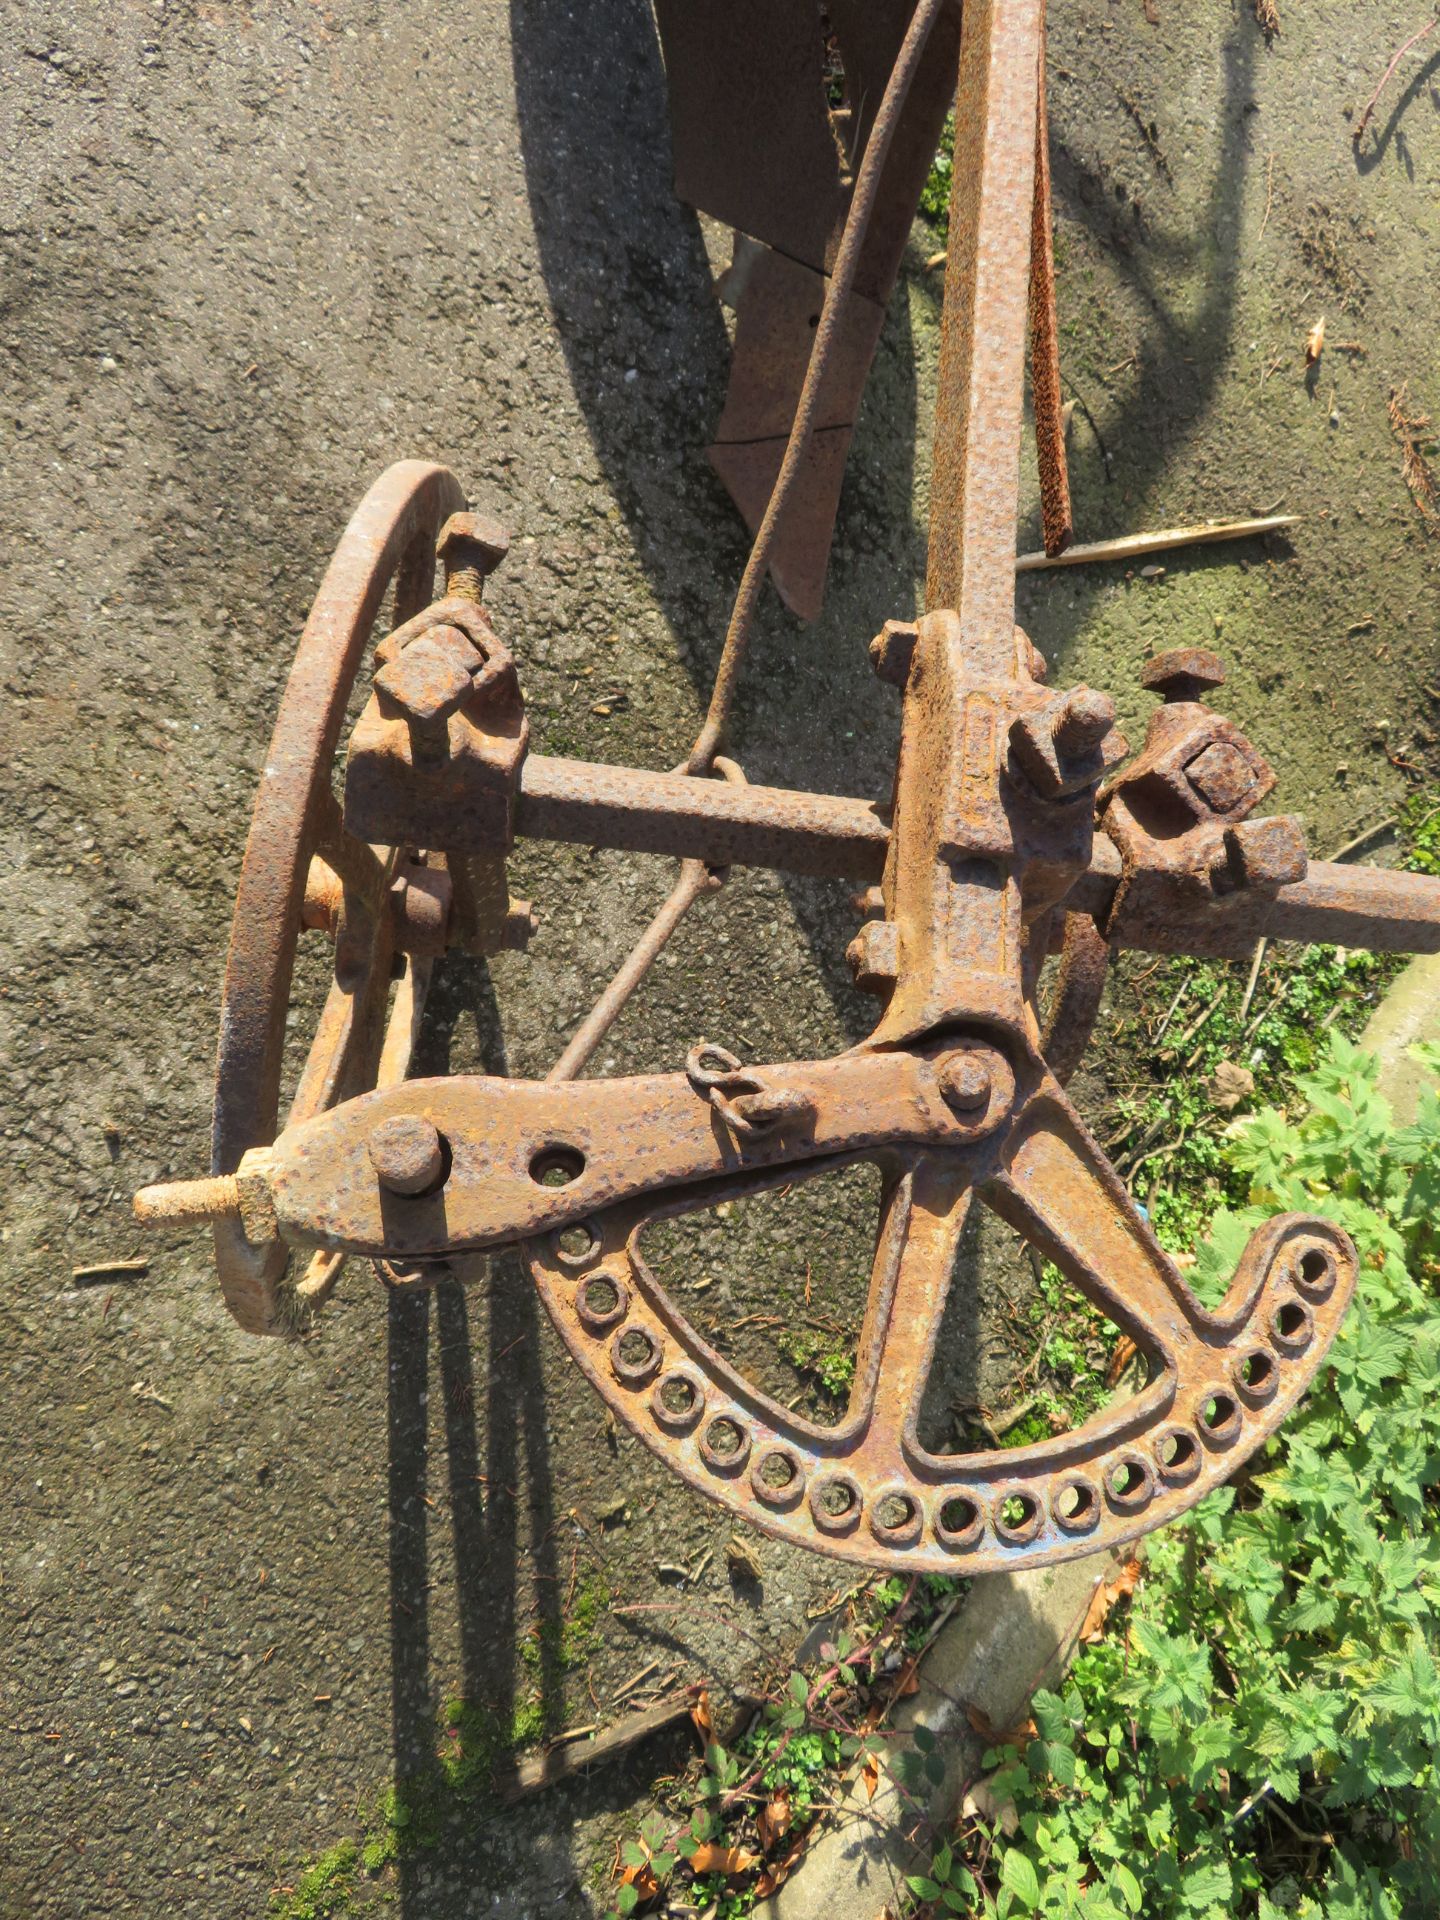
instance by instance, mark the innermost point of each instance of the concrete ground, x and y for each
(253, 253)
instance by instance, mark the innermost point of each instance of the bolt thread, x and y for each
(176, 1202)
(465, 582)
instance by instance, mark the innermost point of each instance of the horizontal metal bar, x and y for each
(711, 820)
(1374, 908)
(837, 838)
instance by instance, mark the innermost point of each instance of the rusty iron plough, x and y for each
(1013, 833)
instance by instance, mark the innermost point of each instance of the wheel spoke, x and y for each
(915, 1257)
(1057, 1188)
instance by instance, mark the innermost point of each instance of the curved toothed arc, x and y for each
(866, 1490)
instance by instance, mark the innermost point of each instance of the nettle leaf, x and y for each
(1051, 1759)
(1018, 1875)
(1126, 1885)
(1048, 1713)
(1315, 1607)
(1208, 1884)
(922, 1887)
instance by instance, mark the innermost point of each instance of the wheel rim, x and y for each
(390, 537)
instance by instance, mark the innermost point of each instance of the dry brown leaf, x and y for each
(642, 1879)
(1015, 1736)
(908, 1681)
(981, 1804)
(870, 1775)
(1230, 1084)
(700, 1717)
(1120, 1359)
(774, 1820)
(1315, 342)
(713, 1858)
(774, 1877)
(1106, 1593)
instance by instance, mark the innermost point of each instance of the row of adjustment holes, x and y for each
(836, 1500)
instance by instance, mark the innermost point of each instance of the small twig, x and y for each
(633, 1682)
(1254, 1027)
(1269, 191)
(1132, 545)
(1156, 1153)
(108, 1270)
(1363, 839)
(1311, 1839)
(1205, 1013)
(1359, 134)
(1255, 965)
(572, 1733)
(1078, 401)
(530, 1776)
(1170, 1011)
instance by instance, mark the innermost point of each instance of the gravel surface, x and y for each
(253, 253)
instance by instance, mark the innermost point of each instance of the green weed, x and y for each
(812, 1352)
(324, 1888)
(1264, 1743)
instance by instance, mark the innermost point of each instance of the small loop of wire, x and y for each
(748, 1107)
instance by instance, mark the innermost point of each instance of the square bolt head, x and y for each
(432, 678)
(1267, 853)
(1222, 777)
(474, 540)
(874, 956)
(892, 650)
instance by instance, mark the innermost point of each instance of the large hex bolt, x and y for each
(1184, 673)
(1222, 777)
(471, 546)
(407, 1154)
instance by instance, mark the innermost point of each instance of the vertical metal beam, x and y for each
(974, 487)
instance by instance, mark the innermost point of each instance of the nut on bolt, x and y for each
(1266, 853)
(407, 1153)
(1222, 777)
(429, 681)
(966, 1082)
